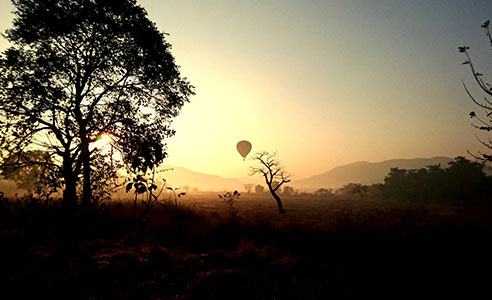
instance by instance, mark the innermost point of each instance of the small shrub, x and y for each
(230, 200)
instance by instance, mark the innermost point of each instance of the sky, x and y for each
(324, 83)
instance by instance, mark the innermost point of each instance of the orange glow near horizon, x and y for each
(324, 83)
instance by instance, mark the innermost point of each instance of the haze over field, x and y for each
(358, 172)
(365, 172)
(338, 81)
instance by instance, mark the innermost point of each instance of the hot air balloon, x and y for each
(243, 147)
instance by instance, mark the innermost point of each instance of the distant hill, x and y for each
(364, 172)
(358, 172)
(180, 177)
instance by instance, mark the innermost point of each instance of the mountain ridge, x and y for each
(365, 172)
(181, 176)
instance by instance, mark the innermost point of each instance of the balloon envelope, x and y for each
(243, 147)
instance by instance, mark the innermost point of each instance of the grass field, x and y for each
(318, 249)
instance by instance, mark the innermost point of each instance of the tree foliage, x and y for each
(288, 191)
(482, 121)
(322, 192)
(259, 189)
(249, 187)
(81, 68)
(462, 182)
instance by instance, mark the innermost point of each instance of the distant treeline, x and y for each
(461, 182)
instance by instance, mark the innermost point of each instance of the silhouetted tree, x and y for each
(482, 123)
(466, 179)
(376, 191)
(276, 185)
(320, 192)
(248, 187)
(288, 191)
(352, 189)
(463, 181)
(394, 183)
(259, 189)
(78, 69)
(323, 192)
(361, 190)
(273, 172)
(346, 190)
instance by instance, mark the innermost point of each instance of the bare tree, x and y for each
(485, 104)
(273, 172)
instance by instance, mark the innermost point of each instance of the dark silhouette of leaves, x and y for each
(485, 104)
(129, 187)
(78, 69)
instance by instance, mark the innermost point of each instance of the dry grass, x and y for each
(318, 249)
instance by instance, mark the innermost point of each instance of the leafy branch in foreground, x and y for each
(482, 123)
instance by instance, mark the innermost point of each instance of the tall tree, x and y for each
(273, 172)
(482, 123)
(78, 69)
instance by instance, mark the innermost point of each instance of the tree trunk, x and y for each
(70, 192)
(86, 164)
(279, 202)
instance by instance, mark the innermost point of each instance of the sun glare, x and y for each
(103, 140)
(106, 139)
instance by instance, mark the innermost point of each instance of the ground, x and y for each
(319, 249)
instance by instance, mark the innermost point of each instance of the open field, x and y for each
(319, 249)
